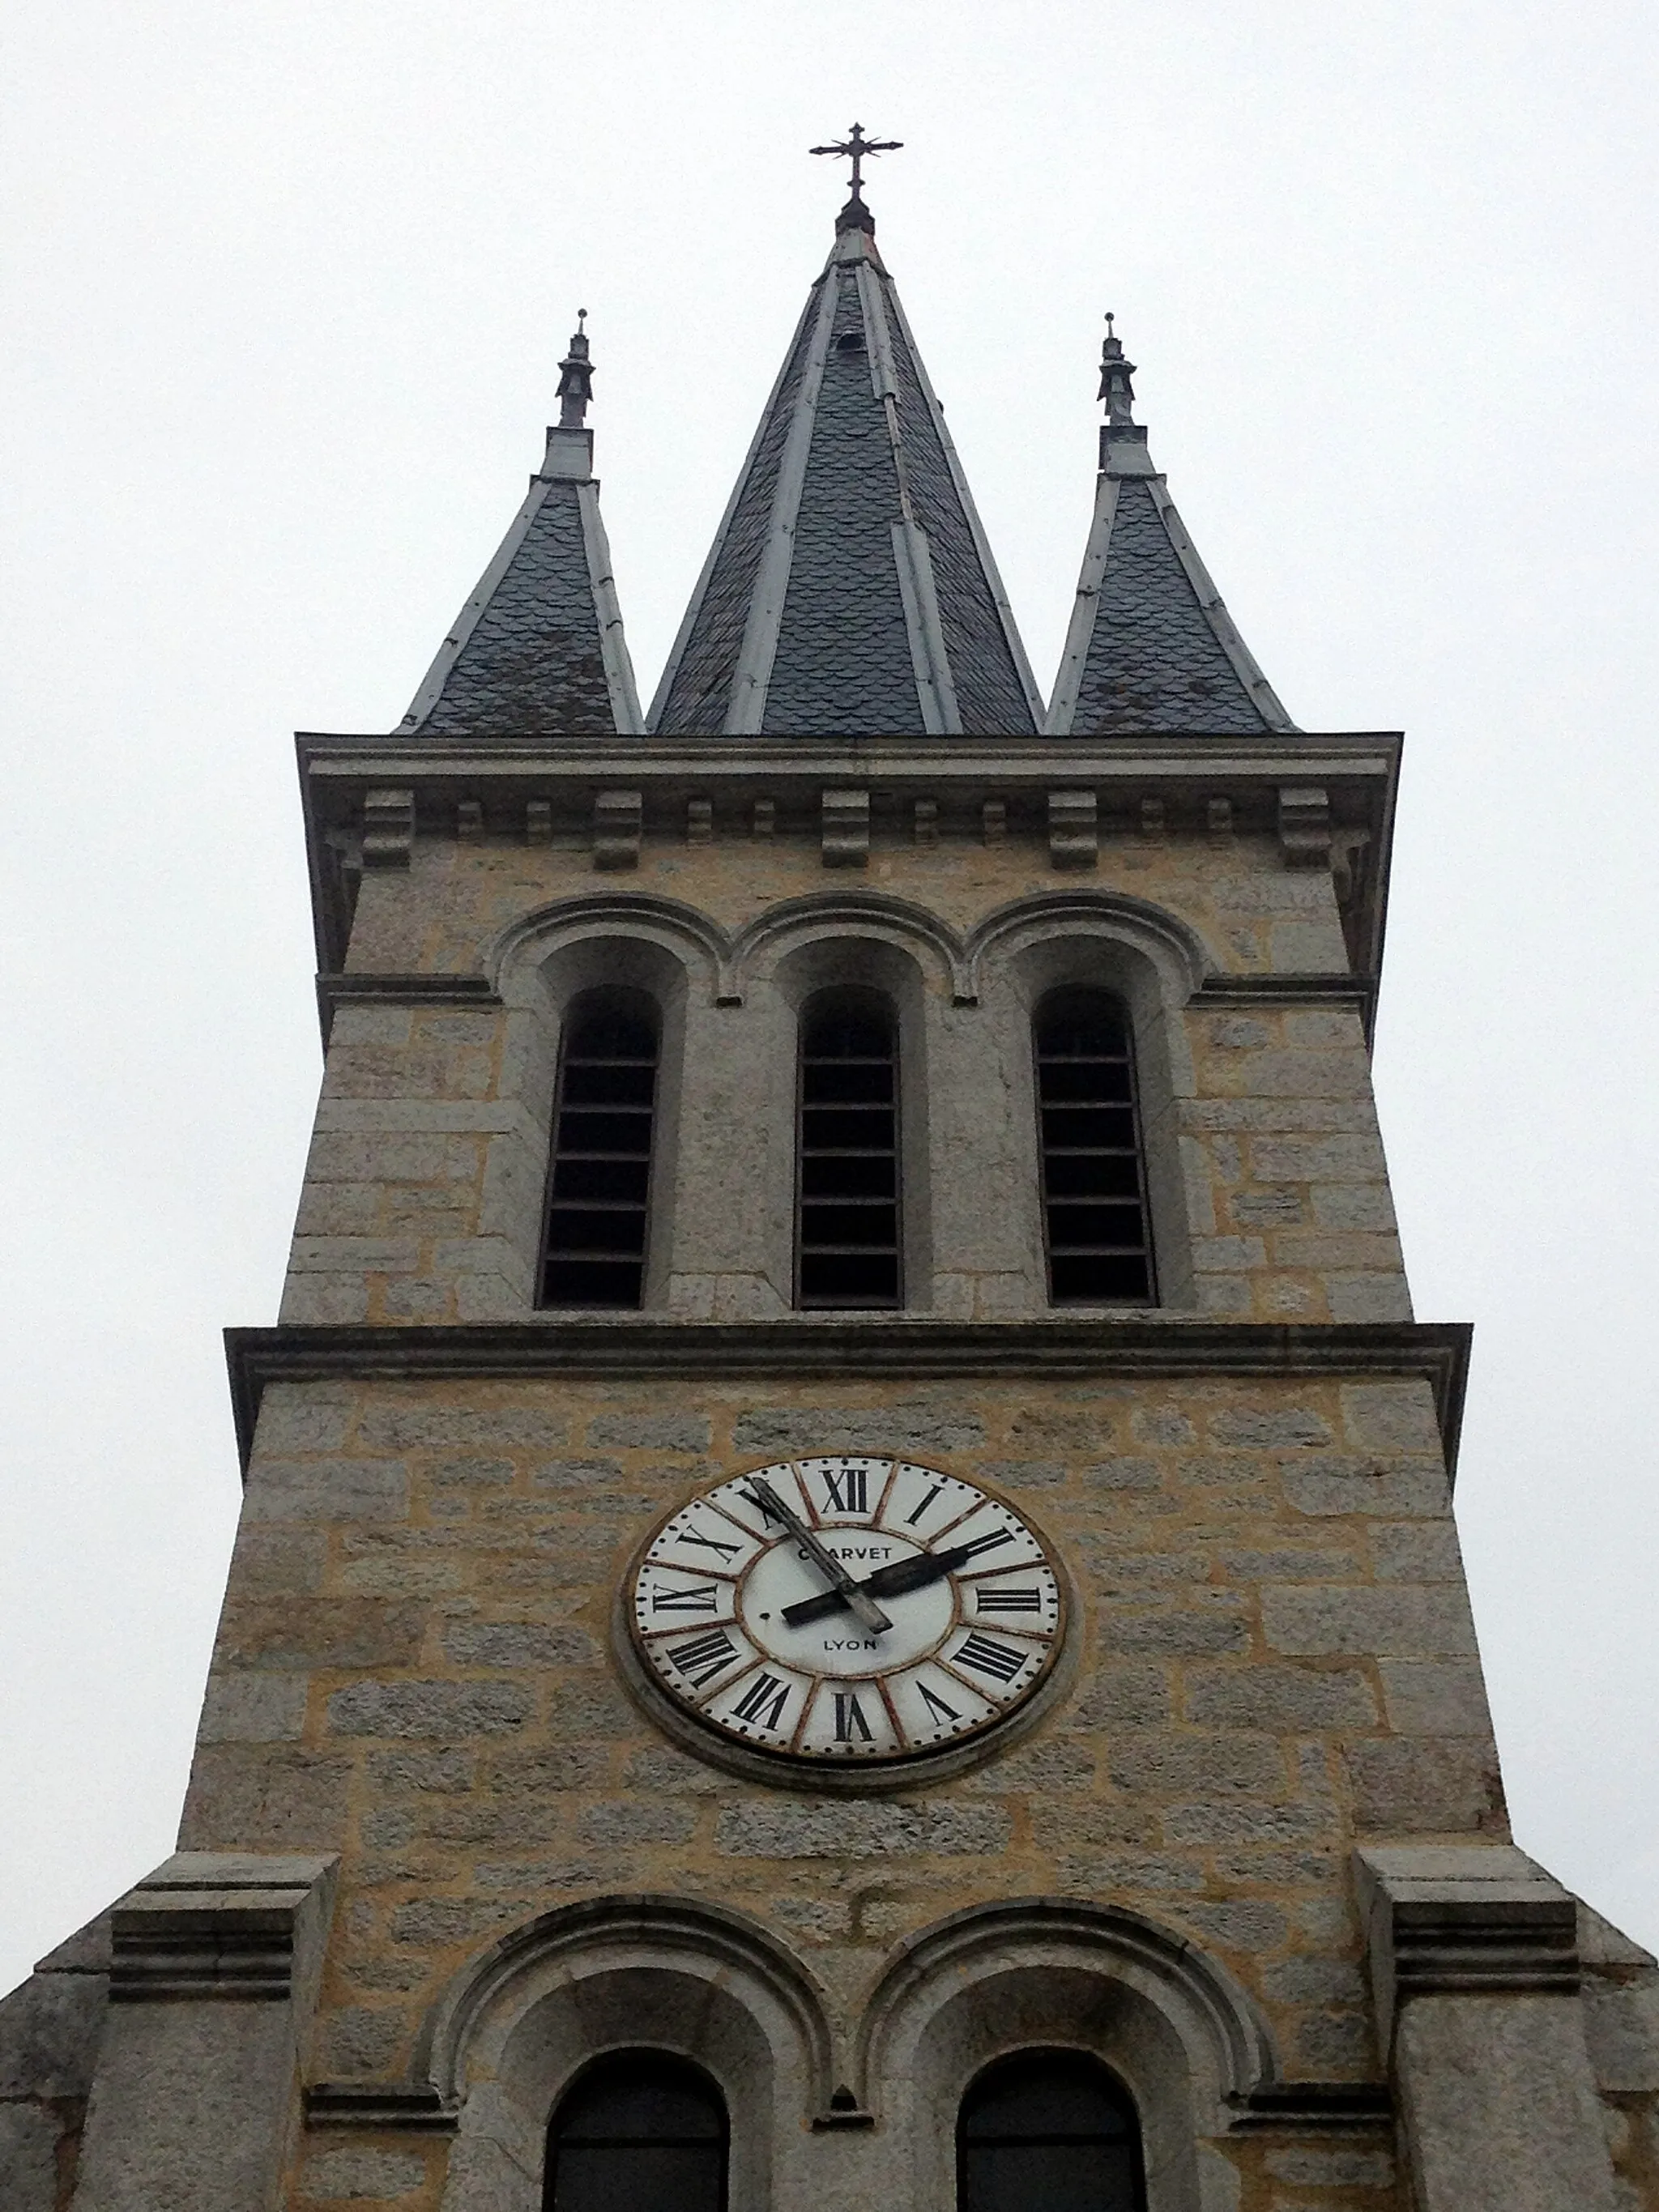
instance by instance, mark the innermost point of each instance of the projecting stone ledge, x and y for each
(1475, 1973)
(214, 1969)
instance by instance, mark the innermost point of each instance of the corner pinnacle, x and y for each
(1115, 387)
(575, 378)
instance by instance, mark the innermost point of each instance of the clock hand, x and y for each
(886, 1582)
(847, 1592)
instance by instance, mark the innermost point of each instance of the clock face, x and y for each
(845, 1608)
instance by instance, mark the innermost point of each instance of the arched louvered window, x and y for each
(639, 2131)
(847, 1226)
(1048, 2131)
(1094, 1178)
(599, 1188)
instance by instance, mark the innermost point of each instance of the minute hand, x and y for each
(886, 1582)
(846, 1592)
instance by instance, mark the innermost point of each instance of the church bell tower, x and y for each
(847, 1594)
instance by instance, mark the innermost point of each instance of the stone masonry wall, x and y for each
(1257, 916)
(414, 1669)
(422, 1191)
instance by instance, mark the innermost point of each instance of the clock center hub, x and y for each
(839, 1644)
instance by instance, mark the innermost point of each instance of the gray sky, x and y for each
(288, 283)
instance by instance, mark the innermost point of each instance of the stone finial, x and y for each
(1115, 372)
(854, 215)
(575, 378)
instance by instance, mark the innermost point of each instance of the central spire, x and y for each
(850, 590)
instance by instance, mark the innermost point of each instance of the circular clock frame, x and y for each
(928, 1630)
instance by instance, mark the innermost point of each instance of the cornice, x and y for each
(1329, 798)
(1275, 757)
(1127, 1350)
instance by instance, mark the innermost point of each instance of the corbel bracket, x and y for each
(1073, 830)
(619, 820)
(388, 828)
(845, 828)
(1304, 825)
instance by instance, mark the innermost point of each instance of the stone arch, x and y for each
(1171, 943)
(869, 914)
(1170, 2022)
(528, 942)
(519, 2022)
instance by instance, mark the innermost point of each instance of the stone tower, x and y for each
(847, 1595)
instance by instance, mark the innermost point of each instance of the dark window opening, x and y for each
(847, 1240)
(1094, 1180)
(1048, 2131)
(598, 1191)
(639, 2131)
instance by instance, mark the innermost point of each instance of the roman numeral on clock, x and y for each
(1027, 1598)
(763, 1701)
(937, 1706)
(708, 1544)
(986, 1656)
(848, 1492)
(703, 1657)
(993, 1542)
(695, 1597)
(850, 1723)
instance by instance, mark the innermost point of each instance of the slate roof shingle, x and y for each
(1154, 662)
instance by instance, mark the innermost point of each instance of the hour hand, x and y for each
(846, 1592)
(886, 1582)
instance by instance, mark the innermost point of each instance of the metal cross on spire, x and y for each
(857, 145)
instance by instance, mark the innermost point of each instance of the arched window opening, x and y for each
(847, 1244)
(1094, 1177)
(600, 1190)
(1048, 2131)
(639, 2131)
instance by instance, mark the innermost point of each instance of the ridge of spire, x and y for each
(538, 648)
(1151, 646)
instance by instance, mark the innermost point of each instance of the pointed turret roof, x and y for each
(539, 649)
(849, 589)
(1151, 647)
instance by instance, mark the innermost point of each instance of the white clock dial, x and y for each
(844, 1608)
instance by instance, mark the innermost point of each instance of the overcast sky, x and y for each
(288, 283)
